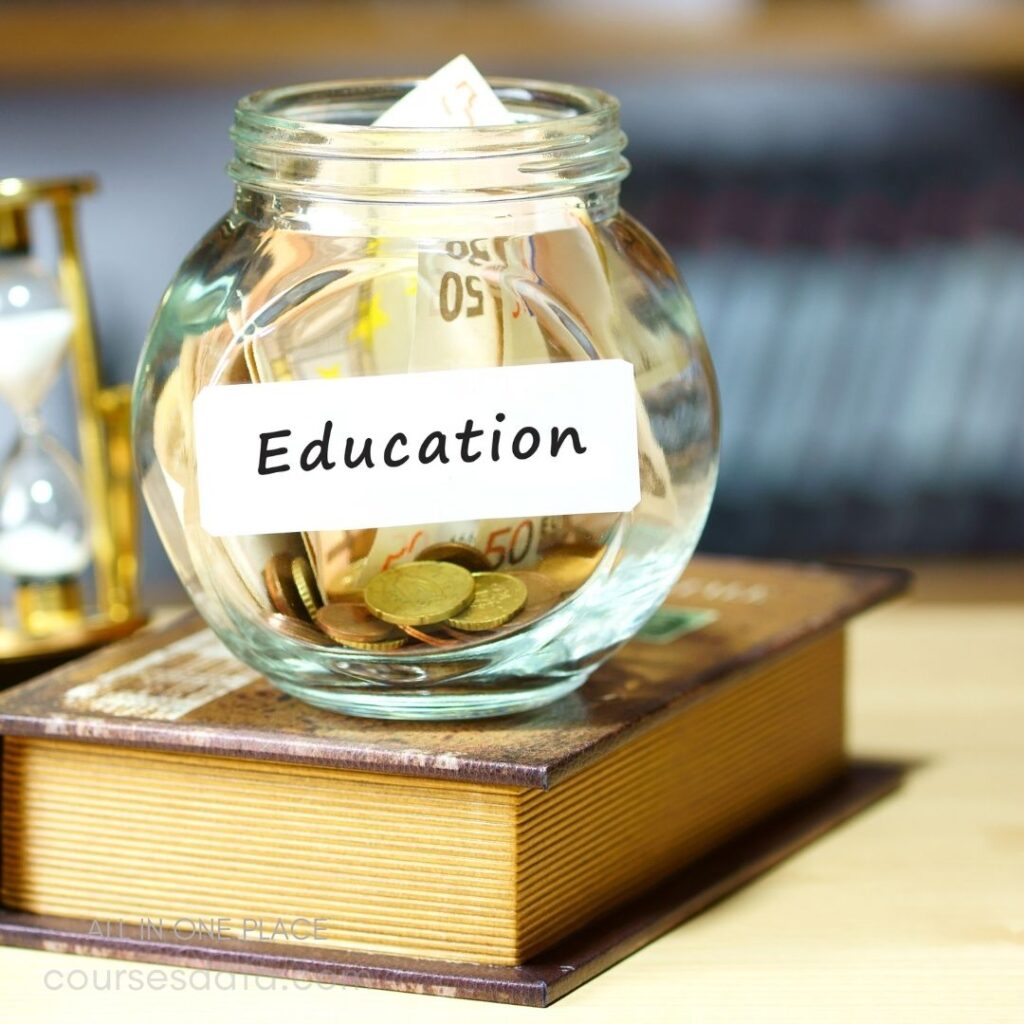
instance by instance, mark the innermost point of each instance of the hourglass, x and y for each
(57, 521)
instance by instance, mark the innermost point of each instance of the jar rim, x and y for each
(318, 138)
(581, 107)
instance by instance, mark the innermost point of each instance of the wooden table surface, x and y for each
(914, 911)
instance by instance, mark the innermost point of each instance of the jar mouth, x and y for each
(319, 139)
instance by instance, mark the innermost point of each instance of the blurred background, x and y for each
(841, 184)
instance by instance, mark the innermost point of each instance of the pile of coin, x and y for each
(448, 596)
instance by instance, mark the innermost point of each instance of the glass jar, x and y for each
(355, 251)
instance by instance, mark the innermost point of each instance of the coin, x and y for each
(382, 645)
(427, 638)
(541, 595)
(466, 555)
(457, 634)
(569, 566)
(306, 585)
(281, 589)
(295, 630)
(541, 590)
(353, 626)
(419, 593)
(497, 598)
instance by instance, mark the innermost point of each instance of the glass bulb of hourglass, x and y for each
(43, 531)
(35, 327)
(43, 523)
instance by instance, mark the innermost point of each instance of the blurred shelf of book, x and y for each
(842, 185)
(868, 333)
(157, 40)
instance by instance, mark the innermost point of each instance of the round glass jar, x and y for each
(354, 251)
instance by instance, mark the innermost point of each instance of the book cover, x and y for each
(177, 688)
(741, 670)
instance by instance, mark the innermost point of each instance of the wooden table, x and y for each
(914, 911)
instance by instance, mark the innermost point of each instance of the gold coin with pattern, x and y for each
(419, 593)
(497, 598)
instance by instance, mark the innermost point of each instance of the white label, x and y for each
(500, 442)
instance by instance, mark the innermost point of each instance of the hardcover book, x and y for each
(163, 802)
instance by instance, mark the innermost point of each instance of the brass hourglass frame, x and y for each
(104, 437)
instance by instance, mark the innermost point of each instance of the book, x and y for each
(160, 787)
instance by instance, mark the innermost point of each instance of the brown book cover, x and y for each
(187, 694)
(734, 635)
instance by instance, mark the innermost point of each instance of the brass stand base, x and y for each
(48, 607)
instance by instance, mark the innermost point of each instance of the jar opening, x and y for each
(319, 140)
(358, 103)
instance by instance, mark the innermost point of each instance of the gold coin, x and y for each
(457, 634)
(497, 598)
(541, 590)
(281, 589)
(382, 645)
(419, 593)
(306, 585)
(541, 596)
(465, 555)
(353, 626)
(569, 566)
